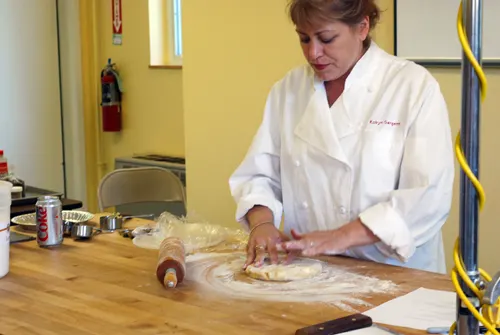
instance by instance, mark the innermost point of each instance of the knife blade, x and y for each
(337, 326)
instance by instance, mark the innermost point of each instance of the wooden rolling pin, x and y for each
(171, 267)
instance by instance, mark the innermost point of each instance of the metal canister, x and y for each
(49, 223)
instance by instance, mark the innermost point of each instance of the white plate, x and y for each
(147, 241)
(28, 221)
(194, 235)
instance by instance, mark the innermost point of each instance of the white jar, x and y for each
(5, 202)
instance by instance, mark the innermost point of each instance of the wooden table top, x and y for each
(108, 286)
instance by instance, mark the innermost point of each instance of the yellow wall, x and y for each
(234, 52)
(152, 106)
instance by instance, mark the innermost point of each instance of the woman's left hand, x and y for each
(331, 242)
(319, 242)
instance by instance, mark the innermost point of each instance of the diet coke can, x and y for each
(49, 224)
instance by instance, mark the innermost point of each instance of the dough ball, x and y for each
(297, 270)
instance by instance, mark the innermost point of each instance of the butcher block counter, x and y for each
(108, 286)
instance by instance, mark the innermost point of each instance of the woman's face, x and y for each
(332, 48)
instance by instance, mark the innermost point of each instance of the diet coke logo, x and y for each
(43, 228)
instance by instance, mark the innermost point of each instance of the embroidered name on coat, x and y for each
(385, 123)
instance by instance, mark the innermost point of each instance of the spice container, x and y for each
(17, 192)
(4, 166)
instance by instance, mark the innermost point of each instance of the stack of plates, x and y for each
(28, 221)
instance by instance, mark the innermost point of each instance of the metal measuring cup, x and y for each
(115, 221)
(83, 231)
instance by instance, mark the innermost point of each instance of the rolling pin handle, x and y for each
(170, 279)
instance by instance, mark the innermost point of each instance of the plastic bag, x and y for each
(196, 233)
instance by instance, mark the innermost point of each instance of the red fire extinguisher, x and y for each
(112, 90)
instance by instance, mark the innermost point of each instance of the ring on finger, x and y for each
(311, 244)
(260, 247)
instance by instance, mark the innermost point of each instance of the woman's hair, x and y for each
(350, 12)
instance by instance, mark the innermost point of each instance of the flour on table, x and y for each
(334, 285)
(298, 270)
(201, 256)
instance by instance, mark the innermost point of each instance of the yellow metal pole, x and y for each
(91, 109)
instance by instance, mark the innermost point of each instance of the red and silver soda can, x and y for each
(49, 223)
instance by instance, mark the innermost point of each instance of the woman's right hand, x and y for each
(264, 240)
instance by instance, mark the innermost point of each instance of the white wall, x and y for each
(30, 114)
(30, 99)
(427, 30)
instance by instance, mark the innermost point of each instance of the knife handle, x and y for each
(337, 326)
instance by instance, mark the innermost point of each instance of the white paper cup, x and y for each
(4, 249)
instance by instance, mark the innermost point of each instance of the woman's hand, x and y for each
(265, 239)
(317, 242)
(335, 241)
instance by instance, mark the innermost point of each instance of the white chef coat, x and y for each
(382, 152)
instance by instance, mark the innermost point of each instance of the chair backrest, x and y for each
(137, 185)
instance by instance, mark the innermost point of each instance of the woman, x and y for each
(354, 149)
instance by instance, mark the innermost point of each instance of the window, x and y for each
(177, 28)
(165, 33)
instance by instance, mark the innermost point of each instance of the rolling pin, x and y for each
(171, 266)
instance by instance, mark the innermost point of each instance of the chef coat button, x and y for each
(342, 210)
(297, 163)
(305, 204)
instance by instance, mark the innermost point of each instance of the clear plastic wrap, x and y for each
(196, 233)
